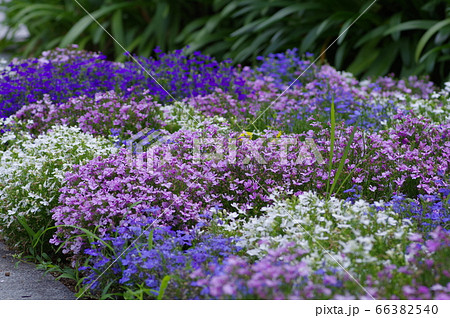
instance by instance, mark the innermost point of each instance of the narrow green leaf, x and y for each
(393, 21)
(375, 34)
(343, 159)
(187, 32)
(27, 228)
(276, 17)
(383, 62)
(340, 54)
(309, 39)
(427, 36)
(118, 32)
(30, 8)
(86, 231)
(332, 140)
(150, 240)
(134, 204)
(410, 25)
(432, 51)
(368, 155)
(163, 287)
(247, 28)
(86, 21)
(344, 27)
(364, 58)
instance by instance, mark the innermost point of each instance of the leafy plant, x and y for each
(138, 25)
(387, 38)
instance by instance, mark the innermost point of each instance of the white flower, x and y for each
(381, 233)
(308, 220)
(350, 246)
(22, 166)
(435, 95)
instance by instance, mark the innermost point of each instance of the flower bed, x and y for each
(226, 189)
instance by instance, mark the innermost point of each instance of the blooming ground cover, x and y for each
(213, 185)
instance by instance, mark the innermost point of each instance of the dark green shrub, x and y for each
(406, 37)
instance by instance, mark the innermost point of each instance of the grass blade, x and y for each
(163, 287)
(343, 159)
(332, 140)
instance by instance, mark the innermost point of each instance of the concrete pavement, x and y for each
(27, 282)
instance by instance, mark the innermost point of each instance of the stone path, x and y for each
(27, 282)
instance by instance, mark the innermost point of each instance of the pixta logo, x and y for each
(149, 149)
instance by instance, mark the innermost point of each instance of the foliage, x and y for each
(139, 26)
(407, 37)
(387, 38)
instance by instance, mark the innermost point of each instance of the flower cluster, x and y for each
(266, 107)
(98, 115)
(236, 185)
(32, 172)
(188, 180)
(425, 274)
(285, 68)
(145, 254)
(352, 234)
(186, 75)
(428, 211)
(283, 274)
(436, 106)
(66, 73)
(398, 160)
(412, 86)
(27, 81)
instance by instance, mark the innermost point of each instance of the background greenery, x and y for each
(405, 37)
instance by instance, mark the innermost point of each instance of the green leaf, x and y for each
(150, 240)
(30, 8)
(343, 159)
(340, 54)
(250, 27)
(105, 294)
(383, 62)
(188, 30)
(343, 28)
(309, 40)
(88, 233)
(86, 21)
(44, 14)
(375, 34)
(405, 51)
(134, 204)
(163, 287)
(228, 9)
(118, 32)
(332, 140)
(426, 37)
(410, 25)
(365, 57)
(394, 21)
(279, 15)
(432, 51)
(27, 228)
